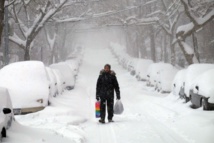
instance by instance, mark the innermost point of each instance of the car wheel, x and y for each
(205, 107)
(1, 138)
(3, 133)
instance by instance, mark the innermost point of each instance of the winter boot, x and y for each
(102, 121)
(110, 120)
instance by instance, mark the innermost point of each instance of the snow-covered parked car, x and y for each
(193, 71)
(27, 84)
(178, 83)
(67, 73)
(165, 79)
(6, 112)
(73, 65)
(202, 91)
(60, 81)
(76, 55)
(123, 60)
(141, 69)
(53, 82)
(153, 70)
(132, 65)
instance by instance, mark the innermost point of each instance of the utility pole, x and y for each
(6, 35)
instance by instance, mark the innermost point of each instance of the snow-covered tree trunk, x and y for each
(165, 49)
(172, 49)
(152, 43)
(195, 45)
(1, 18)
(51, 43)
(199, 14)
(46, 11)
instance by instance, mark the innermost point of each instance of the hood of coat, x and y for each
(111, 72)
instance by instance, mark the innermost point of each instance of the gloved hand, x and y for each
(98, 98)
(118, 97)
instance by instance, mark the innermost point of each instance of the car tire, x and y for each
(3, 133)
(204, 105)
(1, 138)
(186, 99)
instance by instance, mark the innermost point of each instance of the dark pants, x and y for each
(110, 108)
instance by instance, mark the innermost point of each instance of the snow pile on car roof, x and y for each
(193, 71)
(205, 83)
(26, 82)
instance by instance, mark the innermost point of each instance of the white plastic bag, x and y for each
(118, 107)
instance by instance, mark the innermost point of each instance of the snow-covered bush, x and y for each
(27, 83)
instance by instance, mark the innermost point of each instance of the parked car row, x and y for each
(27, 86)
(194, 84)
(157, 75)
(31, 84)
(6, 112)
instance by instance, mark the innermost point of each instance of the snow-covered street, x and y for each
(148, 117)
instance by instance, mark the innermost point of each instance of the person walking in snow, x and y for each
(106, 84)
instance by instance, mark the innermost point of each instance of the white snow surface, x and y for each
(165, 79)
(154, 69)
(66, 71)
(26, 82)
(148, 117)
(205, 83)
(178, 81)
(142, 67)
(193, 71)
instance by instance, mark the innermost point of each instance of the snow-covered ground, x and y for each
(148, 117)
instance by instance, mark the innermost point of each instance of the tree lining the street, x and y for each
(153, 29)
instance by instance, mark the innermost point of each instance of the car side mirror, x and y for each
(6, 110)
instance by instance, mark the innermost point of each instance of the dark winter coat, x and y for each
(106, 84)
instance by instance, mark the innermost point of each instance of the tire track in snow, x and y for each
(166, 133)
(105, 132)
(148, 124)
